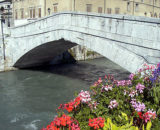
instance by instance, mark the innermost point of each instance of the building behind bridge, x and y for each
(28, 10)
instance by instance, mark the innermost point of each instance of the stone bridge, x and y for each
(128, 41)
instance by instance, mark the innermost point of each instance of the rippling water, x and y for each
(29, 98)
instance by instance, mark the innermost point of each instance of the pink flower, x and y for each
(152, 113)
(140, 70)
(128, 82)
(140, 87)
(133, 101)
(131, 76)
(148, 115)
(100, 80)
(124, 82)
(107, 88)
(84, 96)
(138, 106)
(75, 127)
(113, 104)
(133, 93)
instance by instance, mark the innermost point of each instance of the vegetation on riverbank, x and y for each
(114, 105)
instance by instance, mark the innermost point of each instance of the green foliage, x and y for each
(109, 125)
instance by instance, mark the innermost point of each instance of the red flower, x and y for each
(63, 121)
(69, 107)
(72, 105)
(140, 115)
(96, 123)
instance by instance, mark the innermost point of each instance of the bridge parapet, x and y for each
(131, 29)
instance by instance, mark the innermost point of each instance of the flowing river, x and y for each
(29, 98)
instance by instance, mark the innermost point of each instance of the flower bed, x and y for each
(114, 105)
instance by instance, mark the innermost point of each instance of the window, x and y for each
(34, 13)
(16, 14)
(39, 12)
(55, 8)
(22, 13)
(31, 13)
(142, 1)
(128, 6)
(117, 10)
(88, 7)
(109, 10)
(137, 7)
(99, 9)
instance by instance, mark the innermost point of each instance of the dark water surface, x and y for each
(29, 98)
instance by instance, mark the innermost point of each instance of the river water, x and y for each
(29, 98)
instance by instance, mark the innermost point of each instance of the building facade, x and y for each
(149, 8)
(33, 9)
(28, 10)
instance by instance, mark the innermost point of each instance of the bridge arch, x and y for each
(128, 41)
(62, 40)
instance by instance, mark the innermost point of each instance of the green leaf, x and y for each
(124, 115)
(149, 124)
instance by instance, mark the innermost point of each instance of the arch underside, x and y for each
(43, 54)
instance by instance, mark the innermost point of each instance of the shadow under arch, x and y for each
(43, 54)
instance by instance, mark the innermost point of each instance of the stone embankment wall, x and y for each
(83, 53)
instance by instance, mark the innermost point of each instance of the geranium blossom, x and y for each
(147, 115)
(131, 76)
(138, 106)
(61, 122)
(123, 82)
(71, 105)
(113, 104)
(96, 123)
(84, 96)
(133, 93)
(140, 87)
(106, 88)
